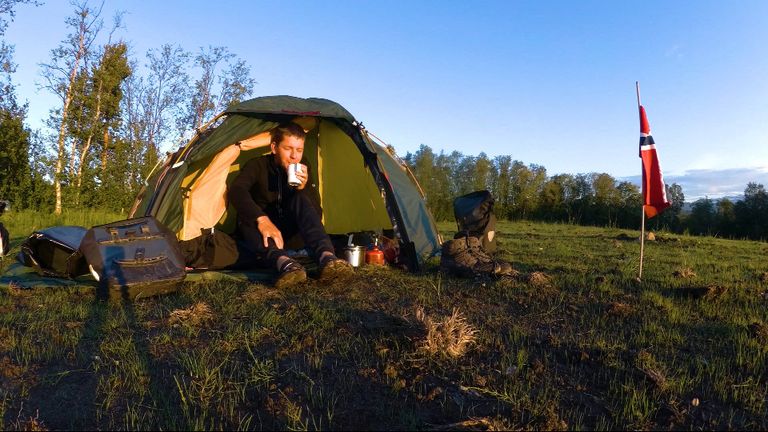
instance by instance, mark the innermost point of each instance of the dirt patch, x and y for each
(13, 377)
(10, 370)
(710, 292)
(195, 315)
(259, 294)
(619, 309)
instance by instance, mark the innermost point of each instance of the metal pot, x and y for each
(355, 255)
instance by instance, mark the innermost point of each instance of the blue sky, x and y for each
(547, 82)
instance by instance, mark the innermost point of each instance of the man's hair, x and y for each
(286, 129)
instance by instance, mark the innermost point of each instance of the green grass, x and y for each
(22, 223)
(585, 347)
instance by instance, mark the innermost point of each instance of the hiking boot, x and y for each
(486, 263)
(290, 273)
(333, 268)
(456, 258)
(465, 256)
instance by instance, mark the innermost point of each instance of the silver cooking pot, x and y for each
(354, 255)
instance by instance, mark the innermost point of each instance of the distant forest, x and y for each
(115, 113)
(526, 192)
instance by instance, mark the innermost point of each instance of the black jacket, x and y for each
(262, 188)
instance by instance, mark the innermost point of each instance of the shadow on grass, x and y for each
(69, 397)
(65, 397)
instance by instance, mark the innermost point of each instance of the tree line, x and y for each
(115, 112)
(526, 192)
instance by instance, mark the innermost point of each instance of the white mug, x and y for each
(293, 169)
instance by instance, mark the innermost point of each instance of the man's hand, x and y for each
(303, 176)
(268, 230)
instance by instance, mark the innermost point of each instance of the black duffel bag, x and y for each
(475, 218)
(212, 250)
(53, 252)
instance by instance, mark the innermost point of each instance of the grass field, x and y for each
(571, 342)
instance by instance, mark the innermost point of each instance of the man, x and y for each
(269, 211)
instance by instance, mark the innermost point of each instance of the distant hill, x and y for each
(688, 205)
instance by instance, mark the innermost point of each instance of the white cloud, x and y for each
(714, 183)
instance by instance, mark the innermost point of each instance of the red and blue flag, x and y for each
(654, 193)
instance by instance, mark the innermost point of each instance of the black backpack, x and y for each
(212, 250)
(475, 218)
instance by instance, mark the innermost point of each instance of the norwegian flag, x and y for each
(654, 193)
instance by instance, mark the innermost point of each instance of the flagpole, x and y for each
(642, 207)
(642, 242)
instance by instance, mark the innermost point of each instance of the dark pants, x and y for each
(299, 215)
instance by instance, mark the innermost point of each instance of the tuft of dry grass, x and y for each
(33, 424)
(16, 290)
(684, 273)
(714, 292)
(539, 279)
(194, 315)
(451, 336)
(473, 424)
(759, 331)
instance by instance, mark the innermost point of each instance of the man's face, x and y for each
(288, 151)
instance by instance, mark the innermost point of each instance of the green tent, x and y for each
(363, 185)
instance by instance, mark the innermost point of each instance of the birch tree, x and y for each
(223, 82)
(95, 113)
(161, 97)
(61, 78)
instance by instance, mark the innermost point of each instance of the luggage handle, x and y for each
(141, 261)
(116, 239)
(142, 224)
